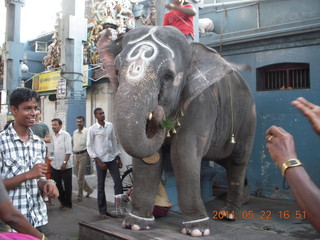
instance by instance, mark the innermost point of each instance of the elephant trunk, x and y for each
(138, 125)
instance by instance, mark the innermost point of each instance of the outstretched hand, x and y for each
(310, 110)
(280, 145)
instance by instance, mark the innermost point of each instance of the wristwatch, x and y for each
(293, 162)
(65, 162)
(51, 180)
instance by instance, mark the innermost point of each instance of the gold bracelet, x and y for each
(292, 162)
(43, 236)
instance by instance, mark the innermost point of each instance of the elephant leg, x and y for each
(236, 181)
(187, 173)
(146, 179)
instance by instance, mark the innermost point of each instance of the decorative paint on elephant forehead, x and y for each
(138, 61)
(120, 60)
(136, 71)
(164, 46)
(162, 62)
(151, 33)
(143, 48)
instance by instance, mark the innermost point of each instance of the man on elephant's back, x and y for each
(181, 17)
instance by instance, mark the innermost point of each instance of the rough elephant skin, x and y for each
(158, 77)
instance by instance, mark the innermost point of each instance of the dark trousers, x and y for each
(114, 171)
(63, 180)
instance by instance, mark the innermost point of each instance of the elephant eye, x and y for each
(168, 77)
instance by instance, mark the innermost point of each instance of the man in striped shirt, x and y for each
(22, 156)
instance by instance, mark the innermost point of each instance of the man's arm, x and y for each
(281, 147)
(68, 148)
(49, 188)
(91, 151)
(39, 170)
(11, 216)
(90, 142)
(189, 11)
(47, 137)
(16, 220)
(306, 194)
(116, 148)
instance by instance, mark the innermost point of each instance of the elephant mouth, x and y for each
(154, 121)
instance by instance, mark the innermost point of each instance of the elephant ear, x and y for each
(108, 49)
(206, 68)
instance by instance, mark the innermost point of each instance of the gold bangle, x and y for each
(292, 162)
(43, 236)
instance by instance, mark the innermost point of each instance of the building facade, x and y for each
(280, 40)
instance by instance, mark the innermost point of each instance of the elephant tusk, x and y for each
(152, 159)
(150, 116)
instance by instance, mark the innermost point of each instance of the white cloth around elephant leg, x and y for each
(137, 223)
(196, 228)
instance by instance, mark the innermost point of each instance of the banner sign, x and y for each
(45, 82)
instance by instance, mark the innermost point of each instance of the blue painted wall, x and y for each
(261, 34)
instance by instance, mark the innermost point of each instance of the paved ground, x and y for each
(261, 219)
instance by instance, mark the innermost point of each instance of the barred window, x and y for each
(283, 76)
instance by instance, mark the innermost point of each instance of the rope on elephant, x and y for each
(232, 140)
(197, 220)
(141, 218)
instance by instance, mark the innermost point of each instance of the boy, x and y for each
(22, 156)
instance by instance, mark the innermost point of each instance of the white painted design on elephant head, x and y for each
(178, 79)
(151, 33)
(162, 62)
(143, 53)
(201, 76)
(139, 58)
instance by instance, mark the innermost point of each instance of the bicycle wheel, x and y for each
(127, 180)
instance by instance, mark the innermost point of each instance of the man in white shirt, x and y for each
(61, 165)
(102, 146)
(81, 157)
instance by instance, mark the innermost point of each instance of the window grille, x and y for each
(283, 76)
(41, 46)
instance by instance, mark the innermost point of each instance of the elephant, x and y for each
(166, 85)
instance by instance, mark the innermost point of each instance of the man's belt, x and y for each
(80, 152)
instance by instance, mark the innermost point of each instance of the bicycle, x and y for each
(127, 178)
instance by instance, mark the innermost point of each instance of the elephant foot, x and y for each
(137, 223)
(228, 213)
(196, 228)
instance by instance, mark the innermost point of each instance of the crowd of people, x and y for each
(24, 165)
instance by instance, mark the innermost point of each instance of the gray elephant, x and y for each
(166, 85)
